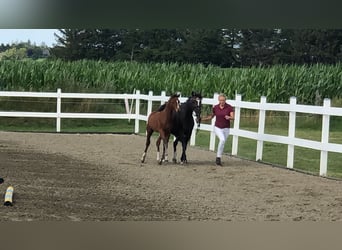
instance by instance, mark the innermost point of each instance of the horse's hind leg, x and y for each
(149, 132)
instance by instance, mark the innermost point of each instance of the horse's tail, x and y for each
(147, 127)
(148, 123)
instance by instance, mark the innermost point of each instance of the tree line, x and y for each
(23, 50)
(221, 47)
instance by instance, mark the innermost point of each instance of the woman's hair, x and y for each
(222, 95)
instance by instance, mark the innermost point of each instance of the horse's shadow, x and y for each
(228, 162)
(194, 163)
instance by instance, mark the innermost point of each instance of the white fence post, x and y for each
(127, 106)
(325, 138)
(237, 115)
(149, 103)
(212, 133)
(261, 128)
(137, 111)
(292, 132)
(59, 104)
(162, 97)
(193, 134)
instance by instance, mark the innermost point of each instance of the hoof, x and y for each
(174, 160)
(166, 161)
(160, 162)
(143, 158)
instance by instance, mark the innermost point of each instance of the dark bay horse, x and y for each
(160, 121)
(183, 123)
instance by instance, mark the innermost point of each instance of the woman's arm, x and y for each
(230, 116)
(207, 118)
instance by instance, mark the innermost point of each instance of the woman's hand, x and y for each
(207, 118)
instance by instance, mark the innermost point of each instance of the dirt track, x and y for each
(99, 177)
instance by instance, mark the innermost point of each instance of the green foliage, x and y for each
(154, 45)
(310, 84)
(14, 54)
(220, 47)
(23, 50)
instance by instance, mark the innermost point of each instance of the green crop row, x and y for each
(310, 84)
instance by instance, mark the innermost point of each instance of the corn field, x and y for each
(310, 84)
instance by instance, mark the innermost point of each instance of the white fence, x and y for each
(291, 141)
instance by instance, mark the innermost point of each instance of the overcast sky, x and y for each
(9, 36)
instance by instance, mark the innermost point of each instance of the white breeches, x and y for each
(222, 134)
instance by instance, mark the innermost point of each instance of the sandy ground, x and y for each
(88, 177)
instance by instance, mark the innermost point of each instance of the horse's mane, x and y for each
(162, 107)
(196, 94)
(174, 95)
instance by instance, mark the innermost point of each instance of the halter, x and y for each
(198, 108)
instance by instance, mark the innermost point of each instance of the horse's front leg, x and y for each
(184, 146)
(158, 148)
(165, 138)
(174, 159)
(166, 151)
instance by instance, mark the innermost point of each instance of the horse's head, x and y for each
(173, 102)
(196, 100)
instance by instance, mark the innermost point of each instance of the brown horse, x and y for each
(160, 121)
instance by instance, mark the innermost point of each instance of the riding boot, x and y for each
(218, 161)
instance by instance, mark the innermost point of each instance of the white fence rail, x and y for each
(291, 141)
